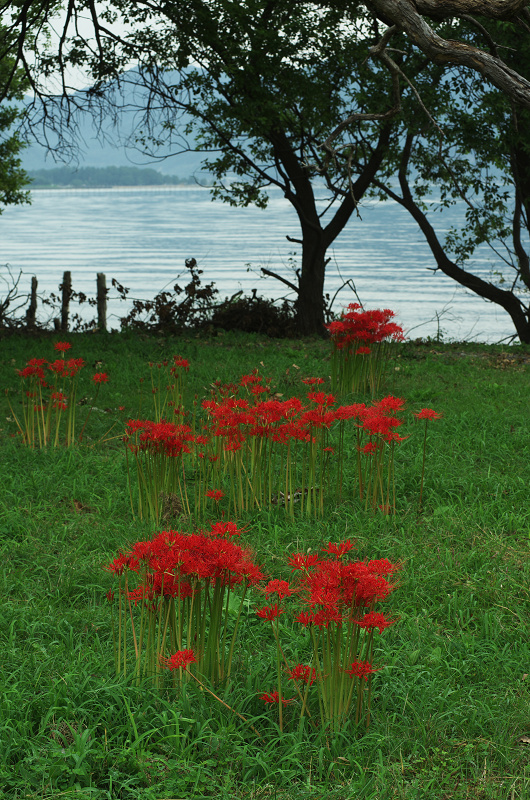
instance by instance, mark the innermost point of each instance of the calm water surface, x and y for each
(142, 237)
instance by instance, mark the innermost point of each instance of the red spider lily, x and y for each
(31, 371)
(360, 669)
(274, 697)
(225, 529)
(281, 588)
(73, 366)
(303, 673)
(339, 548)
(36, 362)
(181, 363)
(302, 561)
(427, 413)
(257, 390)
(374, 620)
(366, 326)
(180, 660)
(253, 378)
(119, 565)
(382, 566)
(321, 398)
(305, 619)
(370, 448)
(313, 381)
(100, 377)
(324, 617)
(269, 612)
(62, 347)
(215, 494)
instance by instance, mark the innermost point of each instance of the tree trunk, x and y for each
(310, 301)
(488, 291)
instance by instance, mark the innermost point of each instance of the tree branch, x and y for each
(407, 16)
(280, 278)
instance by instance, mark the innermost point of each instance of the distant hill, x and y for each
(101, 177)
(100, 143)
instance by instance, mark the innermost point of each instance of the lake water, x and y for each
(142, 236)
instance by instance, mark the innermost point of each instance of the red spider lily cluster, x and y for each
(333, 599)
(330, 596)
(180, 587)
(159, 449)
(49, 398)
(360, 342)
(269, 451)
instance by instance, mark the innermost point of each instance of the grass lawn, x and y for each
(450, 717)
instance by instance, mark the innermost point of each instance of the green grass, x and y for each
(451, 704)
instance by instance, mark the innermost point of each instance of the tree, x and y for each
(470, 144)
(13, 179)
(261, 87)
(408, 16)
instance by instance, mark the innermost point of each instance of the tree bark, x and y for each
(310, 301)
(406, 15)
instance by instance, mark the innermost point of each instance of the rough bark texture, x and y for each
(494, 9)
(406, 15)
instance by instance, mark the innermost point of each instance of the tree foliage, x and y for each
(13, 179)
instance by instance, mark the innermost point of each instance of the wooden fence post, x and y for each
(32, 308)
(66, 287)
(102, 301)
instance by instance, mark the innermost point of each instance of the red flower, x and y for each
(183, 363)
(305, 619)
(427, 413)
(281, 588)
(33, 370)
(215, 494)
(321, 398)
(224, 529)
(303, 673)
(36, 362)
(302, 561)
(62, 346)
(273, 697)
(269, 612)
(100, 377)
(360, 669)
(118, 565)
(374, 620)
(180, 660)
(251, 379)
(338, 549)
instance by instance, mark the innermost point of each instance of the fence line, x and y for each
(61, 323)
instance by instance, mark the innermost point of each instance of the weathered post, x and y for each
(102, 301)
(32, 308)
(66, 287)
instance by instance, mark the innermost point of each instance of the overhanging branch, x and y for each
(407, 15)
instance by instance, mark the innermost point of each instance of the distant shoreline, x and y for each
(114, 188)
(105, 178)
